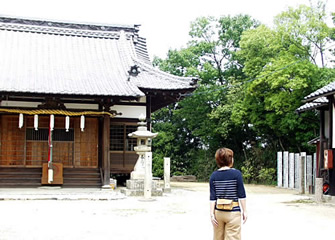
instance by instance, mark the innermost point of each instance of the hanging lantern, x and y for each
(36, 122)
(82, 123)
(52, 122)
(67, 123)
(20, 120)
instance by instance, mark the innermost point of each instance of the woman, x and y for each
(227, 197)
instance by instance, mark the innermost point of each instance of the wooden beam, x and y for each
(322, 139)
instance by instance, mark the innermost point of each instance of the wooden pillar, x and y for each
(321, 146)
(330, 122)
(330, 146)
(106, 149)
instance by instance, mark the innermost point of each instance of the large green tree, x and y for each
(281, 67)
(211, 55)
(252, 78)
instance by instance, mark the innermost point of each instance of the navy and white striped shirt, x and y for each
(227, 184)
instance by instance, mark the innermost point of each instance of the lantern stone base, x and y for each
(135, 187)
(137, 175)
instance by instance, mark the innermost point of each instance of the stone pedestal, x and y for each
(143, 185)
(135, 187)
(167, 187)
(318, 190)
(139, 169)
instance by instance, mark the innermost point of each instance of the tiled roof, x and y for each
(319, 102)
(77, 59)
(326, 90)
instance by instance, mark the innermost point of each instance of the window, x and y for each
(119, 139)
(42, 134)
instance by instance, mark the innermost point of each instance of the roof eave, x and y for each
(318, 96)
(62, 95)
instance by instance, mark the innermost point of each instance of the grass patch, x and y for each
(305, 201)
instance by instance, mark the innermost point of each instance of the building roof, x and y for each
(49, 57)
(324, 91)
(316, 103)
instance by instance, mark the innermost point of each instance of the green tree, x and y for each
(282, 69)
(306, 29)
(211, 55)
(252, 78)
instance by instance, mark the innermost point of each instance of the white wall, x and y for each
(19, 104)
(129, 111)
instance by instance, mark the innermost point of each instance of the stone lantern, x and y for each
(140, 182)
(143, 146)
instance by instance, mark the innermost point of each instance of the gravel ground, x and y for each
(182, 214)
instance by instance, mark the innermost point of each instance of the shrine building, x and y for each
(70, 93)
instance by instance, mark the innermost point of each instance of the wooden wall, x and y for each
(12, 139)
(86, 143)
(123, 162)
(19, 150)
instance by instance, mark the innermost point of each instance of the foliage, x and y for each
(251, 80)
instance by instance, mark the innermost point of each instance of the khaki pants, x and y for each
(229, 225)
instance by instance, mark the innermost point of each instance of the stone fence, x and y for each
(296, 171)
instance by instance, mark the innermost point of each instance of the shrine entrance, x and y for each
(28, 146)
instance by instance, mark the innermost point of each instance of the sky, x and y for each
(165, 24)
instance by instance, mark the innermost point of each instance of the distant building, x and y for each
(90, 82)
(323, 101)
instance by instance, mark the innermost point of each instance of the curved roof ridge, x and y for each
(67, 28)
(160, 72)
(69, 24)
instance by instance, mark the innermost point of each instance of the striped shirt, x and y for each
(227, 184)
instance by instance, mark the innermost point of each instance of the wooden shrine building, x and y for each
(323, 101)
(78, 89)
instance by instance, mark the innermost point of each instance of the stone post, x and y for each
(318, 190)
(279, 169)
(291, 170)
(285, 169)
(303, 154)
(296, 170)
(148, 175)
(302, 174)
(167, 187)
(309, 180)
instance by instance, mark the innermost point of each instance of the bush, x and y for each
(267, 176)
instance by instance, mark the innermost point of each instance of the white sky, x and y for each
(165, 24)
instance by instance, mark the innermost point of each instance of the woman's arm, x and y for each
(243, 203)
(212, 213)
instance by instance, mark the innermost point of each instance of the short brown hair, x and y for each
(224, 157)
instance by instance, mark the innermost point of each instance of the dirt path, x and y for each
(183, 214)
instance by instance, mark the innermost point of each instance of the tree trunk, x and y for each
(281, 145)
